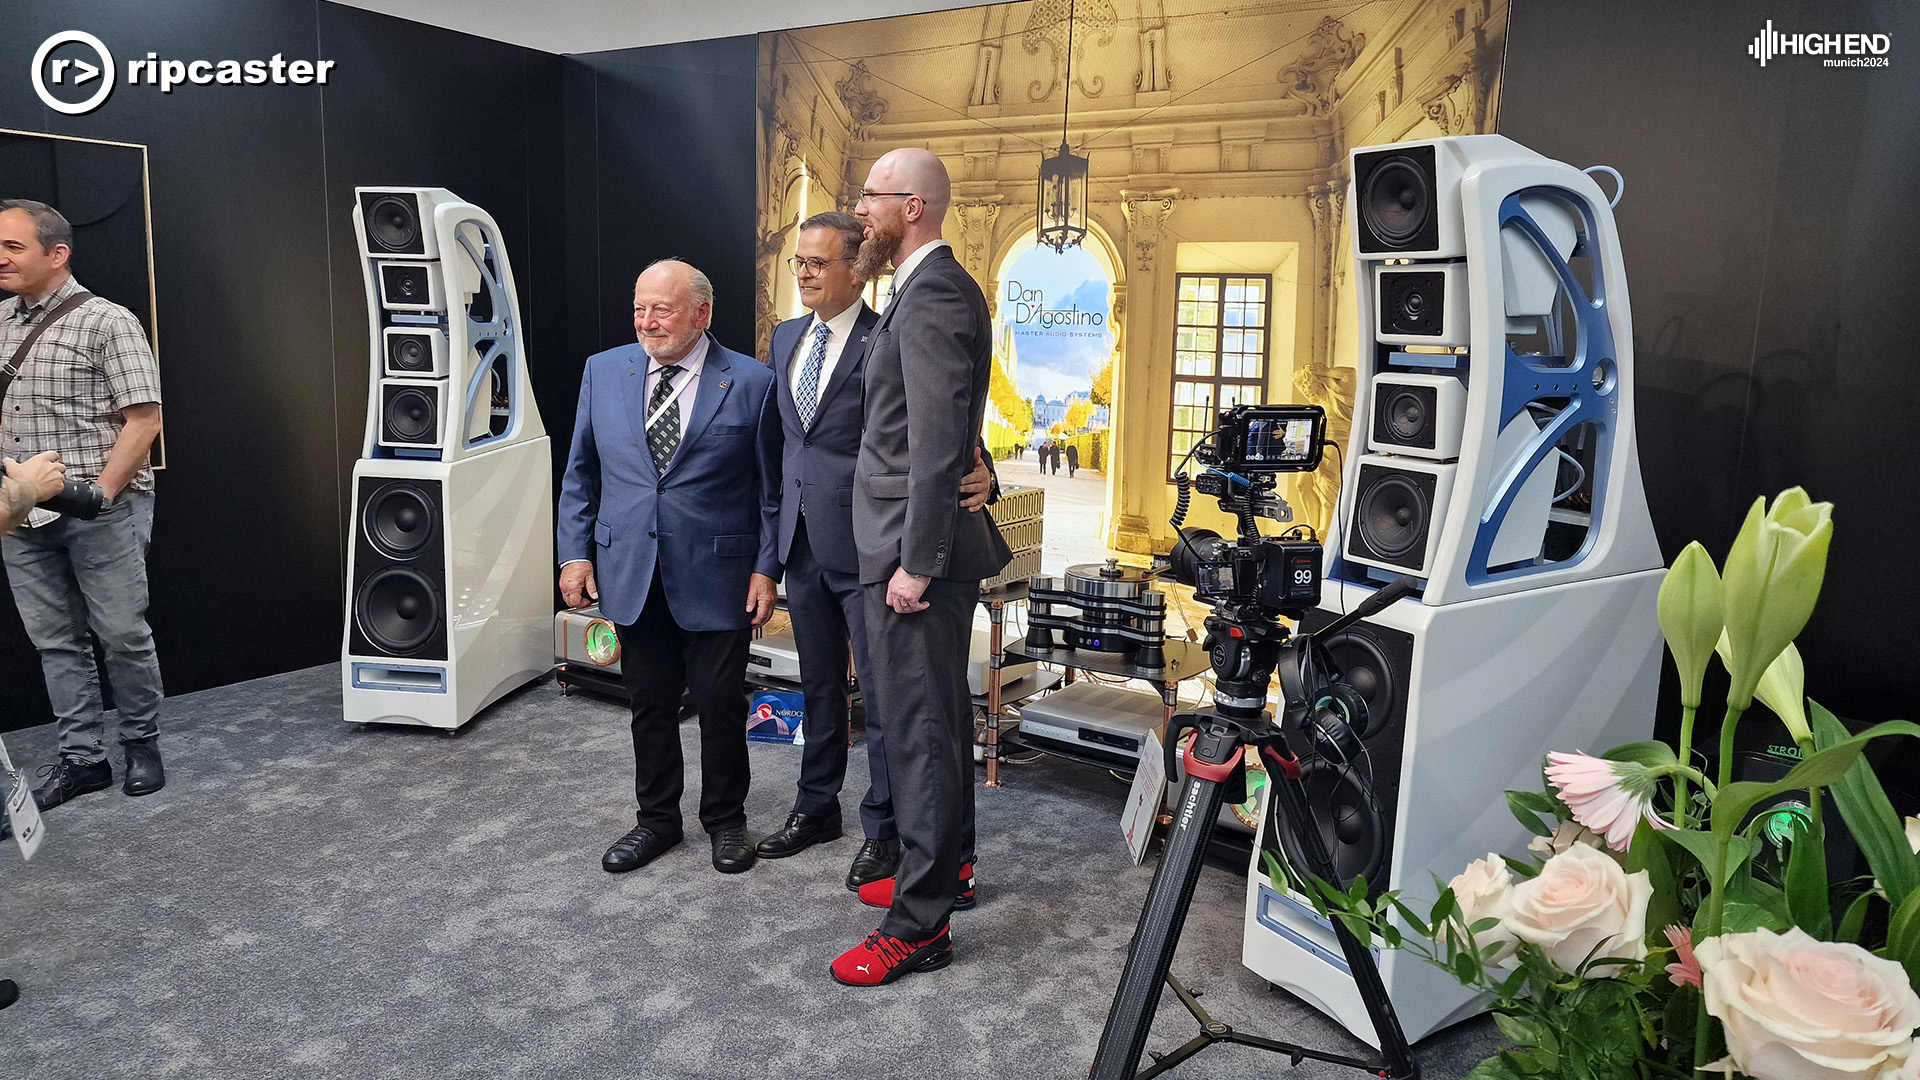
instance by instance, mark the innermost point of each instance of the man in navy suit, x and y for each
(669, 518)
(818, 360)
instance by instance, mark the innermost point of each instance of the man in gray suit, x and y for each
(921, 556)
(817, 361)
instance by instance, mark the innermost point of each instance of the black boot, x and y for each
(145, 774)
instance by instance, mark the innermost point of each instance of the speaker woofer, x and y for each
(400, 521)
(1397, 191)
(398, 609)
(1393, 515)
(1398, 200)
(1344, 813)
(393, 224)
(411, 414)
(409, 352)
(1409, 415)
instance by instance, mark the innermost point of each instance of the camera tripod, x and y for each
(1245, 651)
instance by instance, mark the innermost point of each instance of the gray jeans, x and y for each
(72, 576)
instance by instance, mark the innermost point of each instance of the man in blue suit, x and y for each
(669, 518)
(818, 361)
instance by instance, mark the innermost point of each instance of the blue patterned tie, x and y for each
(807, 398)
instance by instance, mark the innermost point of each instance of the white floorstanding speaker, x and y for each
(1492, 458)
(450, 563)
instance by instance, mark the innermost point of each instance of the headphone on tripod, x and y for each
(1321, 704)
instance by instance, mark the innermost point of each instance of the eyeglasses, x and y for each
(865, 195)
(802, 266)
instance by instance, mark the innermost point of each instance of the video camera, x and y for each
(1252, 577)
(76, 499)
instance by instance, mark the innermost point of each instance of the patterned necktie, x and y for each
(663, 435)
(807, 398)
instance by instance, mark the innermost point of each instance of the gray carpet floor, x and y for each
(306, 899)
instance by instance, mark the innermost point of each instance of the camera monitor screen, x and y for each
(1278, 438)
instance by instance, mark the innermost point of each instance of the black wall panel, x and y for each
(246, 558)
(592, 165)
(1771, 243)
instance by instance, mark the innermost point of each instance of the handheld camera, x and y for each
(75, 499)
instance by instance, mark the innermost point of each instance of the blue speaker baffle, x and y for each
(1588, 381)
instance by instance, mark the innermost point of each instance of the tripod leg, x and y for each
(1164, 914)
(1395, 1052)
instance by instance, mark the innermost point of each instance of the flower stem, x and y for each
(1715, 907)
(1686, 756)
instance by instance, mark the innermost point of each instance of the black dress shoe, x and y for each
(145, 774)
(802, 831)
(878, 859)
(639, 847)
(9, 992)
(732, 851)
(70, 777)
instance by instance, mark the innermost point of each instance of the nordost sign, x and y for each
(75, 69)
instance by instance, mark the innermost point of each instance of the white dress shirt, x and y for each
(839, 329)
(904, 270)
(689, 377)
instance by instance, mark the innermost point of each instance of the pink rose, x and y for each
(1583, 906)
(1481, 890)
(1796, 1008)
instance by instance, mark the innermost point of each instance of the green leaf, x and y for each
(1903, 936)
(1854, 920)
(1496, 1068)
(1807, 899)
(1444, 907)
(1746, 911)
(1527, 815)
(1537, 801)
(1704, 846)
(1655, 857)
(1466, 967)
(1825, 768)
(1419, 926)
(1520, 867)
(1863, 804)
(1650, 753)
(1519, 1030)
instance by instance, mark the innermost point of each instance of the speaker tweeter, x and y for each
(411, 288)
(1422, 304)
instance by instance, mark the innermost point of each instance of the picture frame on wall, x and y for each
(103, 188)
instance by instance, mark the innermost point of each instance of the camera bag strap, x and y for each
(11, 368)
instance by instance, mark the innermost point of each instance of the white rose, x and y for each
(1796, 1008)
(1913, 834)
(1908, 1068)
(1583, 906)
(1482, 891)
(1568, 834)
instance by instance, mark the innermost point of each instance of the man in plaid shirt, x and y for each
(88, 389)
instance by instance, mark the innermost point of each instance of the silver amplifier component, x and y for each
(1092, 721)
(774, 656)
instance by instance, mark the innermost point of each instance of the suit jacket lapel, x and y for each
(633, 382)
(851, 355)
(715, 381)
(780, 349)
(900, 287)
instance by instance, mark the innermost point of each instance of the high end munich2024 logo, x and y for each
(73, 63)
(1835, 50)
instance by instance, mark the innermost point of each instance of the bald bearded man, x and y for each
(922, 557)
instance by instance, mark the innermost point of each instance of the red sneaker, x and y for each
(883, 958)
(880, 893)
